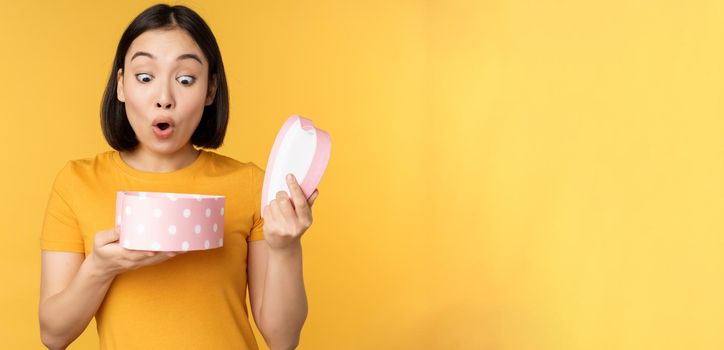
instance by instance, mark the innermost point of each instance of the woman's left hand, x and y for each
(285, 220)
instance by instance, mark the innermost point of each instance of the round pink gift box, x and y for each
(160, 221)
(300, 148)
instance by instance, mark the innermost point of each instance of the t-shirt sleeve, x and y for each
(60, 230)
(257, 182)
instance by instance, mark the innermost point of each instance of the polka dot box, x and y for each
(160, 221)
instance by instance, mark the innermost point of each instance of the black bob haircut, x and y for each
(212, 128)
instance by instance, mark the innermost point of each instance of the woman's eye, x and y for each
(143, 77)
(186, 80)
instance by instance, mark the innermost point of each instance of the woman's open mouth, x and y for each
(163, 130)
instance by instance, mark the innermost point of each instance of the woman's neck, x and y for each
(144, 159)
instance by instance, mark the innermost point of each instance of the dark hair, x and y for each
(212, 128)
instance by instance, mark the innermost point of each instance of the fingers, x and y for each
(146, 260)
(137, 255)
(268, 215)
(114, 257)
(108, 236)
(276, 212)
(298, 197)
(157, 258)
(285, 207)
(142, 254)
(313, 197)
(276, 221)
(141, 258)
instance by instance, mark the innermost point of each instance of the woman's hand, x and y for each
(111, 259)
(285, 219)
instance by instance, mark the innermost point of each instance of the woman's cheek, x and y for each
(191, 106)
(134, 99)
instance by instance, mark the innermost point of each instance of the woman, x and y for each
(167, 95)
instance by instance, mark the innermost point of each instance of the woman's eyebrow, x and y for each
(182, 57)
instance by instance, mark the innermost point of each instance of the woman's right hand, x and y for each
(111, 259)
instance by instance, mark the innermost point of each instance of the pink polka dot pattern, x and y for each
(161, 221)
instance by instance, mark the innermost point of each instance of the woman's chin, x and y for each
(162, 147)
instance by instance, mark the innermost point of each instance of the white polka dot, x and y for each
(208, 212)
(118, 220)
(206, 244)
(197, 229)
(221, 242)
(216, 227)
(172, 196)
(222, 211)
(140, 228)
(187, 213)
(198, 198)
(127, 243)
(128, 210)
(185, 246)
(157, 212)
(172, 229)
(156, 246)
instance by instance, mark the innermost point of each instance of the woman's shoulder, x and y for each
(89, 163)
(81, 168)
(224, 163)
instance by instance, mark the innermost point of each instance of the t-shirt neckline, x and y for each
(176, 174)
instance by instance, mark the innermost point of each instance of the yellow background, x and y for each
(504, 174)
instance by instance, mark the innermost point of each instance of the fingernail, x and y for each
(289, 177)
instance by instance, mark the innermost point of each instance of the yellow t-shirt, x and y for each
(195, 300)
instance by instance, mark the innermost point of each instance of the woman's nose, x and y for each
(165, 97)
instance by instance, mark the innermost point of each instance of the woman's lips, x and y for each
(163, 133)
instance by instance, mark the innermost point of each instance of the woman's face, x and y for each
(165, 86)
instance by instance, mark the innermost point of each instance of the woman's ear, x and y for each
(211, 93)
(119, 87)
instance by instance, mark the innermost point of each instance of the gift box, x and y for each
(161, 221)
(300, 149)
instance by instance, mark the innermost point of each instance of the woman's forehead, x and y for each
(165, 45)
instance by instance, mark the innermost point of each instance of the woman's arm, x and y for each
(73, 287)
(71, 290)
(276, 284)
(277, 295)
